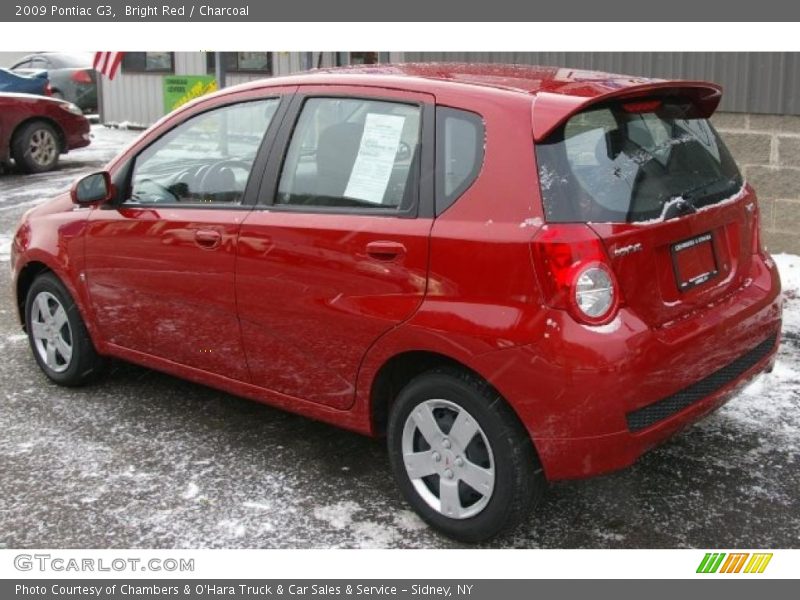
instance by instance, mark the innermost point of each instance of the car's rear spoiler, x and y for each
(551, 110)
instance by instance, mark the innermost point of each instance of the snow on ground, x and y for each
(5, 247)
(773, 399)
(18, 190)
(142, 459)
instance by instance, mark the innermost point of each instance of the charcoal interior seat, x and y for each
(219, 184)
(337, 150)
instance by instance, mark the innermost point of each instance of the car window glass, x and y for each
(348, 152)
(206, 159)
(614, 164)
(459, 153)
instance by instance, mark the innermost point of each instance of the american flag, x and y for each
(107, 63)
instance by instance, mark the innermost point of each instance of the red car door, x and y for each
(160, 264)
(336, 253)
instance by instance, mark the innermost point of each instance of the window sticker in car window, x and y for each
(376, 156)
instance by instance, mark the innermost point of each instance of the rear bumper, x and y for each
(595, 399)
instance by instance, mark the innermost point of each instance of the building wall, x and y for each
(131, 98)
(767, 149)
(137, 98)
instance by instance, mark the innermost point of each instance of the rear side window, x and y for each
(459, 153)
(356, 153)
(614, 164)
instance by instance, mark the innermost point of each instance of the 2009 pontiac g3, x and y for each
(516, 274)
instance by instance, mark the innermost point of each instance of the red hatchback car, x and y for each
(35, 131)
(515, 274)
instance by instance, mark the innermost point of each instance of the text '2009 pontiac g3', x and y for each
(515, 275)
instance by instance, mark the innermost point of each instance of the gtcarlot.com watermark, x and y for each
(47, 563)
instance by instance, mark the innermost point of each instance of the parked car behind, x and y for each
(34, 131)
(21, 83)
(72, 76)
(515, 274)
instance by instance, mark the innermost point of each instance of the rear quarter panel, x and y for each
(482, 294)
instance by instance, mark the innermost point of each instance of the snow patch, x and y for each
(257, 505)
(191, 492)
(232, 529)
(409, 521)
(5, 247)
(789, 269)
(532, 222)
(339, 515)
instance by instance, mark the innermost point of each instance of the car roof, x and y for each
(556, 92)
(526, 79)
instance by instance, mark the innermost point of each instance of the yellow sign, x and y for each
(180, 89)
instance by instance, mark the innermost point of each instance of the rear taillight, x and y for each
(575, 273)
(81, 76)
(48, 90)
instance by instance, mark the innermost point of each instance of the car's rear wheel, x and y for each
(57, 334)
(460, 456)
(36, 147)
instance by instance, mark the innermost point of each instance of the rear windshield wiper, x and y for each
(705, 189)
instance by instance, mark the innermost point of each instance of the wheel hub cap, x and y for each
(448, 459)
(51, 332)
(43, 147)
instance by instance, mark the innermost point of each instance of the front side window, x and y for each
(348, 152)
(205, 160)
(631, 162)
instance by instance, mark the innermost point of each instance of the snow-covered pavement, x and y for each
(143, 460)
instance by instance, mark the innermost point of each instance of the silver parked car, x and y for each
(72, 76)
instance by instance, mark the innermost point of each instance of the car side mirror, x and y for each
(93, 189)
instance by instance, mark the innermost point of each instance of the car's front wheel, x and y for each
(57, 334)
(460, 456)
(36, 147)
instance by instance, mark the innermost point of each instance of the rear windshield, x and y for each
(620, 164)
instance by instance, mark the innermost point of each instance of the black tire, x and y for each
(519, 482)
(84, 363)
(36, 147)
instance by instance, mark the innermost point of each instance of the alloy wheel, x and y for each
(51, 332)
(448, 459)
(43, 147)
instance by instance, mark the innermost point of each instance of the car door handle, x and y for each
(385, 251)
(207, 238)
